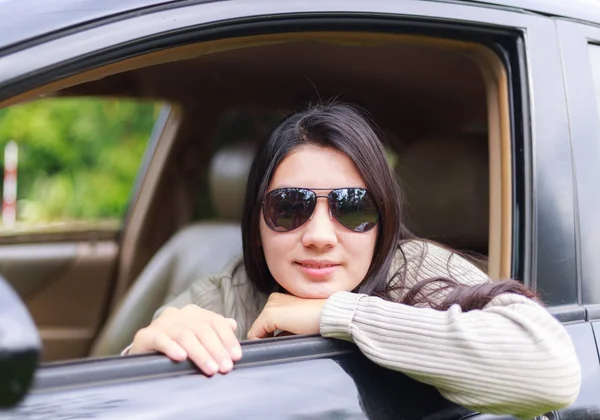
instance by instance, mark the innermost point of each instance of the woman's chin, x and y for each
(311, 292)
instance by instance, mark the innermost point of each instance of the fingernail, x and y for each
(212, 367)
(226, 365)
(236, 352)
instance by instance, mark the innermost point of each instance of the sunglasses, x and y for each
(286, 209)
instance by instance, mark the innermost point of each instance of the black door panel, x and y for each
(587, 405)
(271, 382)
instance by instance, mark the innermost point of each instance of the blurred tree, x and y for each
(78, 157)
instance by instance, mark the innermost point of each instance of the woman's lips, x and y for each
(317, 269)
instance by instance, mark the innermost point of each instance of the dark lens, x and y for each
(286, 209)
(354, 208)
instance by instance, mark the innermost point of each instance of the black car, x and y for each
(496, 102)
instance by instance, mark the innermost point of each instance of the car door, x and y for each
(539, 62)
(539, 253)
(580, 46)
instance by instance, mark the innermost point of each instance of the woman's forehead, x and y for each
(316, 167)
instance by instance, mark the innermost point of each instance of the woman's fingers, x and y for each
(232, 323)
(206, 338)
(150, 339)
(165, 344)
(217, 335)
(209, 339)
(261, 328)
(228, 338)
(197, 353)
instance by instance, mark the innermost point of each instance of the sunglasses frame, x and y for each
(328, 197)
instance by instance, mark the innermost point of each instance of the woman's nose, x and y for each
(320, 230)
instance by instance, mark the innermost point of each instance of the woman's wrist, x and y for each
(338, 313)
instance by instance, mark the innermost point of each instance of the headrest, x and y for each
(446, 185)
(228, 175)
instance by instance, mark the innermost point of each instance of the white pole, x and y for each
(9, 202)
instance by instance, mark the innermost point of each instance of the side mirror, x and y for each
(20, 347)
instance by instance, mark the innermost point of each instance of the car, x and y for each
(491, 110)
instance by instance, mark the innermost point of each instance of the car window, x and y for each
(70, 163)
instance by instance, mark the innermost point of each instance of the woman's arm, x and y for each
(511, 357)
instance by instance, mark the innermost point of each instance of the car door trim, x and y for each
(91, 372)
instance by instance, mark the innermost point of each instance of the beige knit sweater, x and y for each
(512, 357)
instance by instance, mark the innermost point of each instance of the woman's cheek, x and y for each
(362, 252)
(277, 258)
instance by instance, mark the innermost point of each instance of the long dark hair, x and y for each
(346, 128)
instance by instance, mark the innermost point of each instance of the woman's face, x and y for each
(322, 256)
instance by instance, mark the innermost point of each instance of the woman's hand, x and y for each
(207, 338)
(287, 313)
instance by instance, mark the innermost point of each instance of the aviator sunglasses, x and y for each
(286, 209)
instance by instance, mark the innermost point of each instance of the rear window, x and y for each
(70, 163)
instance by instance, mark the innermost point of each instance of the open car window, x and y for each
(72, 162)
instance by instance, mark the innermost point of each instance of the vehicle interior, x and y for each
(442, 105)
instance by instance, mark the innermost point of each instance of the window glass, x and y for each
(70, 163)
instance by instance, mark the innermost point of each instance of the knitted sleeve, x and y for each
(511, 357)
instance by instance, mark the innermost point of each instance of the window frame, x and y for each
(177, 24)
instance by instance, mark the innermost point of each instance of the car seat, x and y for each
(198, 250)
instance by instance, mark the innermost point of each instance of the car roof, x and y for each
(582, 10)
(31, 19)
(28, 19)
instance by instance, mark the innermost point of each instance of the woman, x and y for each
(325, 252)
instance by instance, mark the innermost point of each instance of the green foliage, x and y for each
(78, 157)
